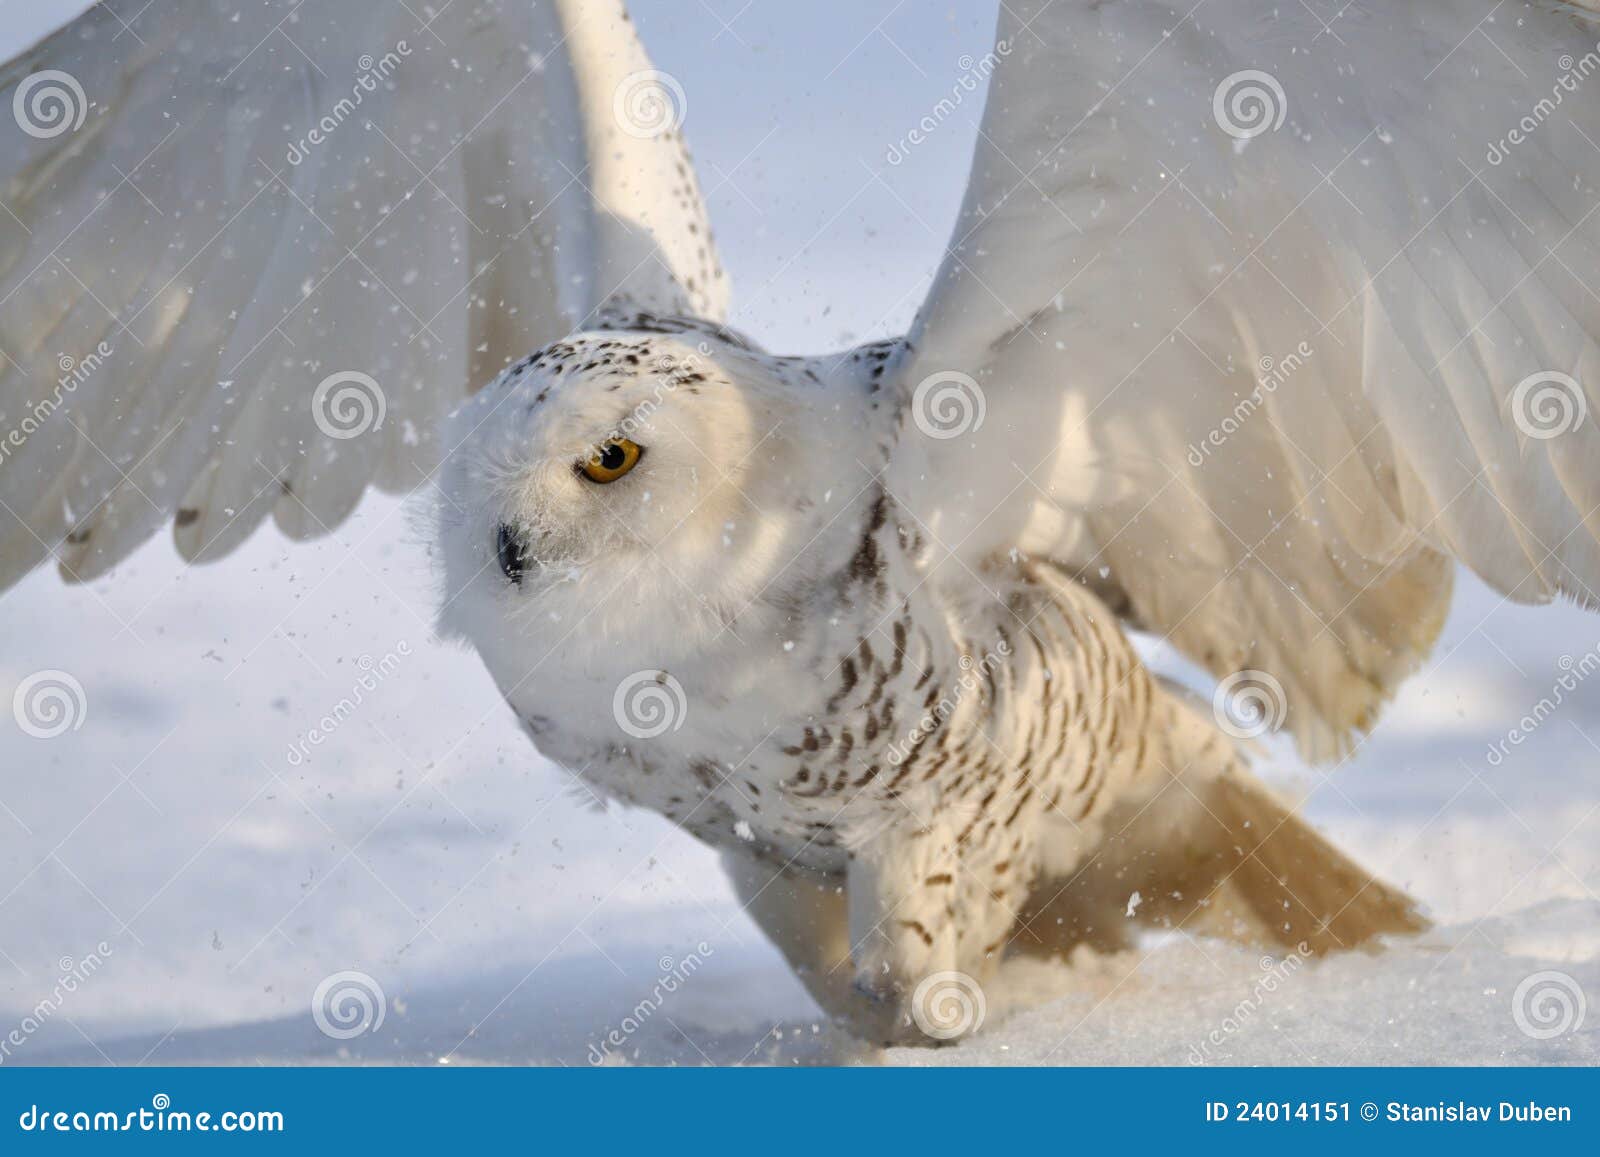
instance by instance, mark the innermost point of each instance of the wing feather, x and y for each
(262, 196)
(1275, 312)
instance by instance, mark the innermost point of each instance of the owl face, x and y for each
(627, 495)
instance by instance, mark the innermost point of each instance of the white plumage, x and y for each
(1126, 272)
(476, 201)
(1251, 324)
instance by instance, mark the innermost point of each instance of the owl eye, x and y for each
(611, 460)
(510, 547)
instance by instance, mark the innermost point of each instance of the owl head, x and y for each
(643, 490)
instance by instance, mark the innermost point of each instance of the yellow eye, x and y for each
(611, 460)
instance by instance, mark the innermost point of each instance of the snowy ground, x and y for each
(506, 920)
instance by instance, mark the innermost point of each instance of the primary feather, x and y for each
(259, 196)
(1251, 298)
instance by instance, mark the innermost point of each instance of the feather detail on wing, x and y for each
(1259, 317)
(252, 252)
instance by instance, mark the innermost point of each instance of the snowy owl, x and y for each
(1251, 328)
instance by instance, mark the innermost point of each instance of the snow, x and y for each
(229, 866)
(508, 919)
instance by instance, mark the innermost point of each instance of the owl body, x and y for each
(860, 689)
(889, 705)
(907, 764)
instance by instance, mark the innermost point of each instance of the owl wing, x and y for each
(1257, 315)
(252, 251)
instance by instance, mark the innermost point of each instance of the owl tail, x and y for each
(1212, 850)
(1264, 874)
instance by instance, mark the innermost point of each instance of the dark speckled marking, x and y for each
(847, 683)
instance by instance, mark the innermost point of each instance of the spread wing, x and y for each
(252, 251)
(1269, 311)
